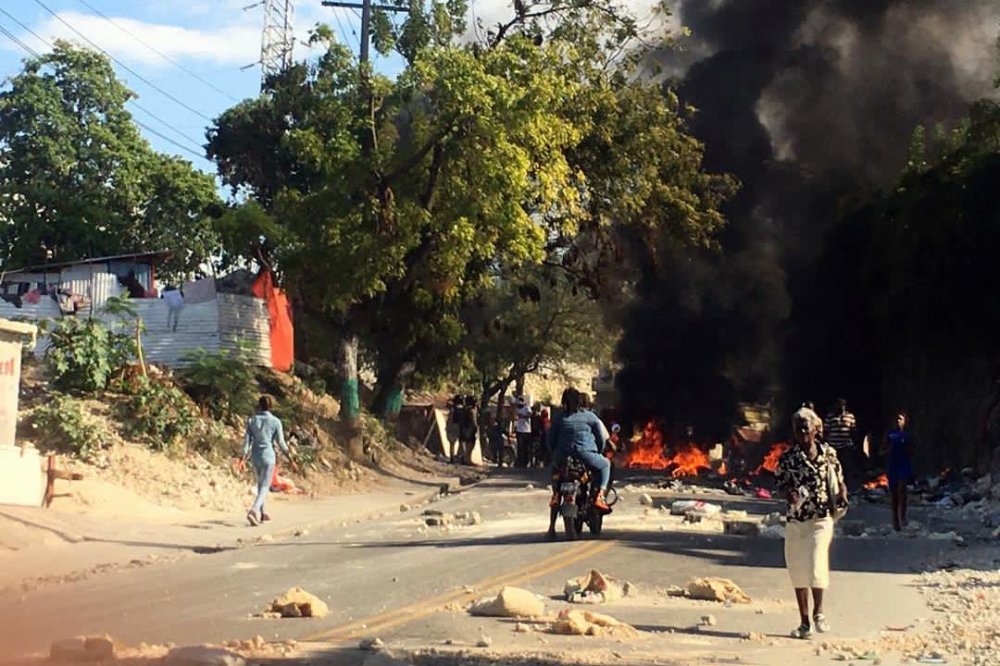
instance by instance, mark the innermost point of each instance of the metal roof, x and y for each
(138, 257)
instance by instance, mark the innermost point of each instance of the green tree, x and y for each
(76, 177)
(408, 195)
(528, 321)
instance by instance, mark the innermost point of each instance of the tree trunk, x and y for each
(389, 390)
(519, 385)
(350, 401)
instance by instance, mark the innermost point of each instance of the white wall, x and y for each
(212, 325)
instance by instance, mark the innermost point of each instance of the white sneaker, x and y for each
(819, 620)
(804, 631)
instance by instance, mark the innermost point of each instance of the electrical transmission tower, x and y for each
(278, 38)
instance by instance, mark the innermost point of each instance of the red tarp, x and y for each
(279, 313)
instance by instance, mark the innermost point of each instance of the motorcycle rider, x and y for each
(581, 433)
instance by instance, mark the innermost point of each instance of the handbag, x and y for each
(837, 511)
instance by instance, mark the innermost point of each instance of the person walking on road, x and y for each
(811, 479)
(898, 469)
(263, 431)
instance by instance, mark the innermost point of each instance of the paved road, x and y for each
(393, 577)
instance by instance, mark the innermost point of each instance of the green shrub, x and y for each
(159, 413)
(62, 427)
(83, 354)
(222, 382)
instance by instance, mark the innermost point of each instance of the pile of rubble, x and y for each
(963, 631)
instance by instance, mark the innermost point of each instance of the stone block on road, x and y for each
(202, 655)
(296, 602)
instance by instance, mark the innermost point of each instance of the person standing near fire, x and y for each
(263, 431)
(898, 469)
(810, 477)
(839, 430)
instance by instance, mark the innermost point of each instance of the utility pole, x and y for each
(278, 38)
(366, 8)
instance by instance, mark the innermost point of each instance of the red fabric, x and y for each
(280, 315)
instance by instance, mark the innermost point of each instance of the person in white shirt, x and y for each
(522, 431)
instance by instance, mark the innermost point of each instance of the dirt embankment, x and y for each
(126, 477)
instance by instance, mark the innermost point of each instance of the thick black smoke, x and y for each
(811, 104)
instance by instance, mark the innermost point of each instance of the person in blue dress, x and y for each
(899, 470)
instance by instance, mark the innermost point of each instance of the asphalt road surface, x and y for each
(406, 583)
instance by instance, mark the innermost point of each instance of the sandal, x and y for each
(804, 631)
(820, 621)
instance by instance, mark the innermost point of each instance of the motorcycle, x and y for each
(577, 490)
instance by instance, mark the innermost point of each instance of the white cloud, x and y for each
(237, 43)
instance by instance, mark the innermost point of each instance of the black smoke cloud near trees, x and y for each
(811, 104)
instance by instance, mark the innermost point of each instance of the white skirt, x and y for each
(807, 552)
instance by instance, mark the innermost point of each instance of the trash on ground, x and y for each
(681, 507)
(595, 588)
(296, 602)
(717, 589)
(510, 602)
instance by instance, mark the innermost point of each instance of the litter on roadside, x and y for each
(681, 507)
(595, 588)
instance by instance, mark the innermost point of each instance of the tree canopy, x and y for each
(78, 180)
(390, 203)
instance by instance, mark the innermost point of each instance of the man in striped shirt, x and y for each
(839, 428)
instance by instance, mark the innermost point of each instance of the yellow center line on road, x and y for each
(425, 607)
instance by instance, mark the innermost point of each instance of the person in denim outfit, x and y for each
(263, 432)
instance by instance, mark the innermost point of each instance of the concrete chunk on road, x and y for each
(202, 655)
(510, 602)
(296, 602)
(717, 589)
(83, 649)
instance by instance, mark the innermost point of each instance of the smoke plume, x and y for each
(811, 104)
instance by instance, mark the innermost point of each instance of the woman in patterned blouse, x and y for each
(802, 478)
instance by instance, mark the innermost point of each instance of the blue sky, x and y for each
(213, 40)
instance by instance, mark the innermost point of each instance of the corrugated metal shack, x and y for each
(207, 320)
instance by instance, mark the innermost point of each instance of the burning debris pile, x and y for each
(649, 449)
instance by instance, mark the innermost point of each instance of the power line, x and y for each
(169, 140)
(17, 41)
(344, 33)
(121, 64)
(24, 27)
(131, 101)
(157, 51)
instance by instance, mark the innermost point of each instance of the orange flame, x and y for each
(723, 471)
(770, 463)
(880, 482)
(647, 451)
